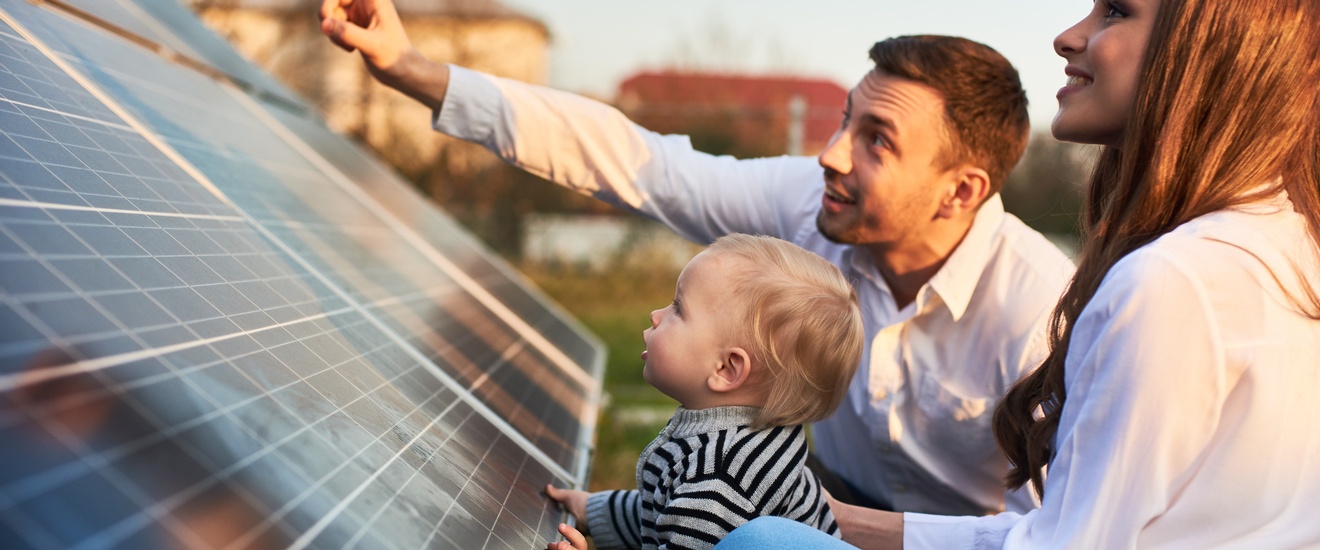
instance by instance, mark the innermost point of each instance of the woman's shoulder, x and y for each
(1247, 261)
(1247, 242)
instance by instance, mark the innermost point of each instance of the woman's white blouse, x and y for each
(1193, 408)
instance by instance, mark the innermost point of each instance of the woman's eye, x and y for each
(1114, 12)
(677, 311)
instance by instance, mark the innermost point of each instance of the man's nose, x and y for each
(837, 155)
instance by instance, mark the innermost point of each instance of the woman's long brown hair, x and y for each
(1228, 101)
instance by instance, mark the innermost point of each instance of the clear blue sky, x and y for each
(597, 43)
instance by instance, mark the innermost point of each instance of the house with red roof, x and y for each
(740, 115)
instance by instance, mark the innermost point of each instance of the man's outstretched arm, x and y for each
(582, 144)
(372, 28)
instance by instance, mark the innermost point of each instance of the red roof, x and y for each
(708, 88)
(683, 94)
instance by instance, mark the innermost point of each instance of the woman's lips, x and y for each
(1077, 80)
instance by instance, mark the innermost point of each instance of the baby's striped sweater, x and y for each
(705, 474)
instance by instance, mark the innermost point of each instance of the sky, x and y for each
(595, 44)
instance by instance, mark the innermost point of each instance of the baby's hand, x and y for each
(575, 502)
(575, 539)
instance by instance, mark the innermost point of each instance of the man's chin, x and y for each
(831, 233)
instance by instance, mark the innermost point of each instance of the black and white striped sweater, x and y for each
(705, 474)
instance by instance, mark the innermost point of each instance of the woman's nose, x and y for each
(1071, 41)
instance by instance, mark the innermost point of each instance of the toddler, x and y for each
(761, 338)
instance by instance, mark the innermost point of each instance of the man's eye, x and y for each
(878, 140)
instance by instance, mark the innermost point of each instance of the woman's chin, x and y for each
(1072, 126)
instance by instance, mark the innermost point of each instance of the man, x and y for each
(954, 291)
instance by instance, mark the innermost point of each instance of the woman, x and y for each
(1178, 406)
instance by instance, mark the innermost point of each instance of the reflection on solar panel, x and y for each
(223, 325)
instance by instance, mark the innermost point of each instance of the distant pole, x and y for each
(797, 124)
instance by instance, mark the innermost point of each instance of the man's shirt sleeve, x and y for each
(594, 149)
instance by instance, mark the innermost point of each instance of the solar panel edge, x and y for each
(175, 50)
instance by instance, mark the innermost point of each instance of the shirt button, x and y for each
(886, 449)
(880, 394)
(900, 488)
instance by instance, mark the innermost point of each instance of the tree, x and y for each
(1045, 189)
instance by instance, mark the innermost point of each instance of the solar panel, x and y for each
(223, 325)
(170, 29)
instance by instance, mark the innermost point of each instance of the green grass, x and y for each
(616, 305)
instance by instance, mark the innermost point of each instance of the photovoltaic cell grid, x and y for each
(211, 334)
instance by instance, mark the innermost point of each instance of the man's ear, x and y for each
(968, 189)
(733, 372)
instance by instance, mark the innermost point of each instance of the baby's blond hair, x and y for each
(802, 324)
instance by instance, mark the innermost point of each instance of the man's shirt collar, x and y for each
(956, 281)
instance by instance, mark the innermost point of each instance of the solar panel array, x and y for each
(223, 325)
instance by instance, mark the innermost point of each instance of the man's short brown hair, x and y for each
(985, 107)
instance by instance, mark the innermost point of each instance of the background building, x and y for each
(282, 37)
(740, 115)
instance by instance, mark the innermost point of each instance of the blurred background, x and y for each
(748, 78)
